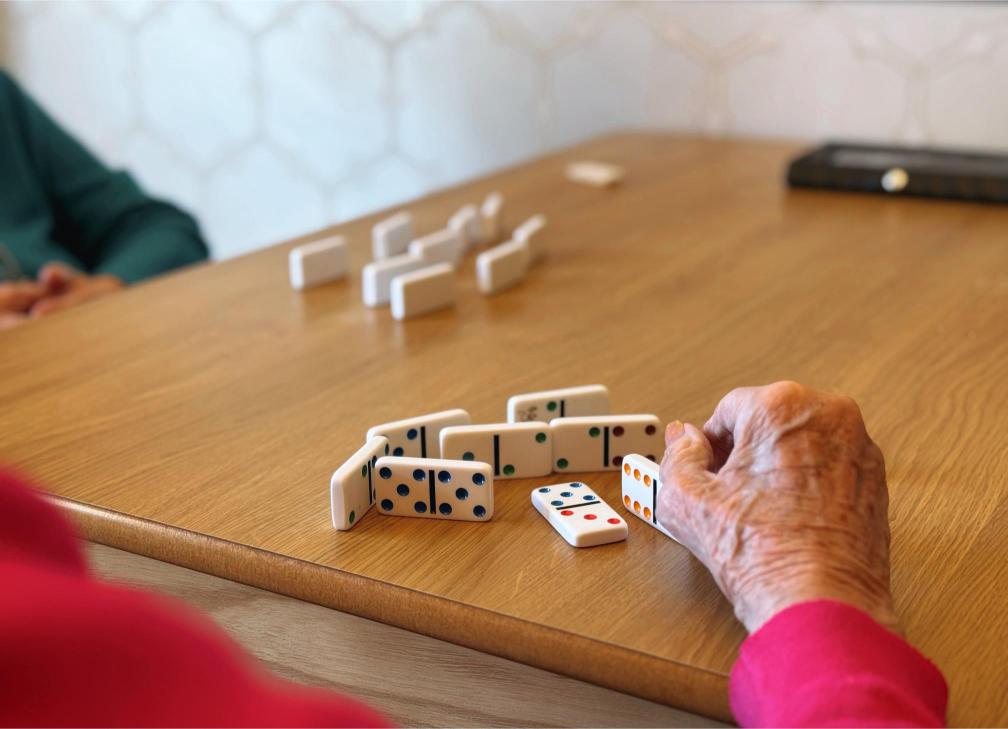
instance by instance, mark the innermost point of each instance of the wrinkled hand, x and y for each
(783, 497)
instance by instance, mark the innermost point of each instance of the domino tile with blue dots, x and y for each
(419, 437)
(579, 515)
(434, 488)
(351, 488)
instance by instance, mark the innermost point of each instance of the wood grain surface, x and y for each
(413, 679)
(197, 418)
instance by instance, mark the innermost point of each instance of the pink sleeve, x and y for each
(828, 664)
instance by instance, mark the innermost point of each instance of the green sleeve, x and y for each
(101, 215)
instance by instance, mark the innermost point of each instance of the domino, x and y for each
(351, 488)
(440, 247)
(640, 486)
(530, 233)
(579, 515)
(596, 174)
(501, 267)
(418, 437)
(423, 291)
(434, 488)
(466, 225)
(490, 217)
(515, 450)
(391, 236)
(599, 442)
(376, 278)
(563, 403)
(318, 262)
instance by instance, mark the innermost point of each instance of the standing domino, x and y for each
(440, 247)
(391, 236)
(515, 450)
(423, 291)
(563, 403)
(466, 225)
(502, 266)
(641, 485)
(351, 488)
(418, 437)
(317, 263)
(376, 278)
(599, 442)
(490, 217)
(530, 233)
(434, 488)
(579, 515)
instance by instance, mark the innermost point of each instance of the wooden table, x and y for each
(197, 418)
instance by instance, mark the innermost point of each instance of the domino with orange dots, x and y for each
(641, 486)
(578, 514)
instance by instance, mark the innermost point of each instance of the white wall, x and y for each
(269, 119)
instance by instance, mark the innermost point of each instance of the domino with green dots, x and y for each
(514, 450)
(565, 402)
(351, 488)
(599, 442)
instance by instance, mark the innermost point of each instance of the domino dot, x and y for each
(398, 451)
(636, 474)
(590, 517)
(617, 431)
(420, 507)
(445, 509)
(468, 456)
(353, 515)
(544, 490)
(385, 472)
(363, 471)
(636, 506)
(562, 463)
(613, 520)
(444, 476)
(386, 504)
(551, 405)
(509, 470)
(556, 502)
(418, 474)
(566, 494)
(479, 479)
(589, 497)
(626, 501)
(540, 437)
(647, 512)
(647, 480)
(650, 430)
(461, 494)
(412, 433)
(626, 468)
(594, 432)
(566, 512)
(479, 511)
(402, 489)
(617, 460)
(575, 485)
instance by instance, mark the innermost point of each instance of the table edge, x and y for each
(697, 690)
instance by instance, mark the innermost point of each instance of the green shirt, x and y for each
(59, 203)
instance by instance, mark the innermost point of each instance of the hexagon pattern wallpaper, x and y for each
(272, 119)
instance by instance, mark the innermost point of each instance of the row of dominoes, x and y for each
(585, 437)
(416, 276)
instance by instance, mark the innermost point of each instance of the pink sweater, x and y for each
(828, 664)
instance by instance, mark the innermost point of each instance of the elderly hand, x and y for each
(783, 497)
